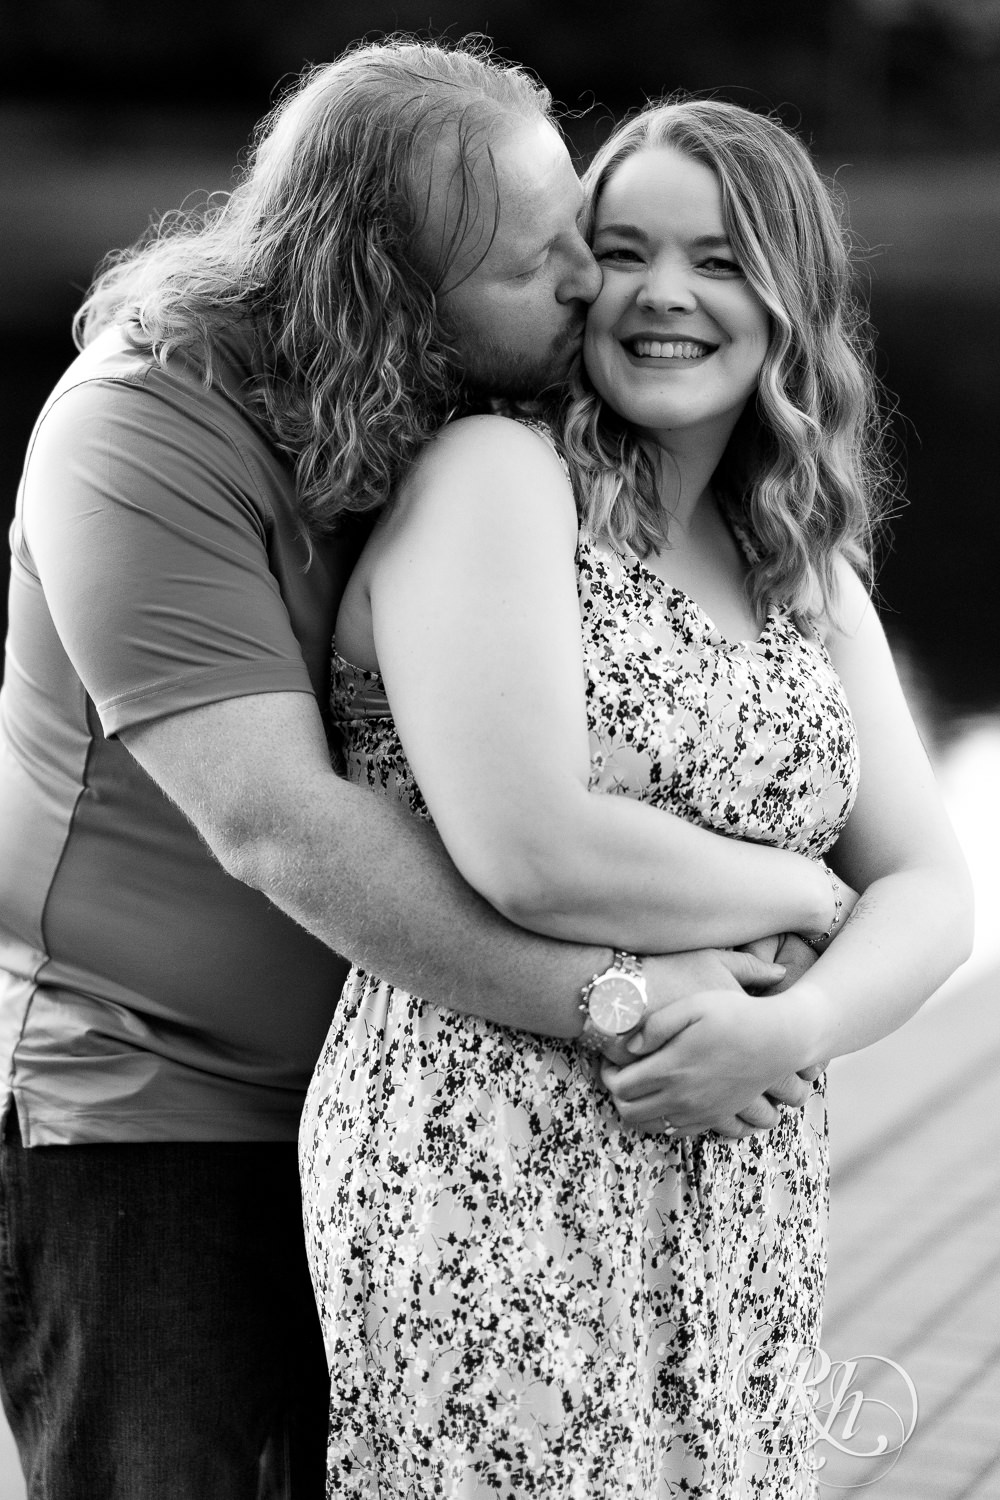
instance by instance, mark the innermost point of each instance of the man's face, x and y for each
(515, 317)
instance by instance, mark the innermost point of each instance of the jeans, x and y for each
(158, 1335)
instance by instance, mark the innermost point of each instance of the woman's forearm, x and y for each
(615, 870)
(908, 932)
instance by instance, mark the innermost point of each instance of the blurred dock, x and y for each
(913, 1298)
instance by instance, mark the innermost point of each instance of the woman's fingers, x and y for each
(660, 1027)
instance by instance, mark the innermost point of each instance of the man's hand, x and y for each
(715, 1060)
(678, 976)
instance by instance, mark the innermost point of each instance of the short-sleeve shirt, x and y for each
(158, 565)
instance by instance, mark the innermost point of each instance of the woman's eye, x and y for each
(720, 265)
(612, 253)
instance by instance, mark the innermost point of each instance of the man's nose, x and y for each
(583, 282)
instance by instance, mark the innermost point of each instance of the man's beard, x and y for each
(493, 370)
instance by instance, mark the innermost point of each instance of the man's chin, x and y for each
(505, 383)
(499, 373)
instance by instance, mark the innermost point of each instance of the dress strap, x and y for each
(545, 431)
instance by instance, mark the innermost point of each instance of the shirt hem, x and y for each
(198, 690)
(190, 1127)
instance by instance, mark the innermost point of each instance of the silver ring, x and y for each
(667, 1128)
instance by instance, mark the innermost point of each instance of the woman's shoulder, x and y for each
(484, 463)
(474, 439)
(486, 470)
(850, 604)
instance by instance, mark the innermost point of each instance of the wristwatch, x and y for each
(613, 1003)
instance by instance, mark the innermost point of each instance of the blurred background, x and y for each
(113, 112)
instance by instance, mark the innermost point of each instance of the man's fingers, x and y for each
(760, 1115)
(791, 1089)
(749, 970)
(766, 948)
(797, 958)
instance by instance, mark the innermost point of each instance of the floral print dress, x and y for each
(519, 1296)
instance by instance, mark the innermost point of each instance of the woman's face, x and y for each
(676, 338)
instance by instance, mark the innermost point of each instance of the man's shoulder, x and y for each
(113, 364)
(116, 393)
(124, 432)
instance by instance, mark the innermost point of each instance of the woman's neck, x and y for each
(686, 460)
(684, 482)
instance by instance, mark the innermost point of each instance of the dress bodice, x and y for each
(753, 739)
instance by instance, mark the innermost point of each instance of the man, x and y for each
(179, 865)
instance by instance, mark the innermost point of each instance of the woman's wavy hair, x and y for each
(805, 467)
(316, 255)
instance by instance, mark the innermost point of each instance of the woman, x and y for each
(531, 1285)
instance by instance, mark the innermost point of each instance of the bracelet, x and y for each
(818, 939)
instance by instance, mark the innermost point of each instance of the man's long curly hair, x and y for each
(316, 256)
(805, 464)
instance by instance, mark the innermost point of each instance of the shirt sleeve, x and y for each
(150, 535)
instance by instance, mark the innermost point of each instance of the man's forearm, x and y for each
(376, 884)
(355, 868)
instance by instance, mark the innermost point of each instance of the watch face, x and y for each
(616, 1004)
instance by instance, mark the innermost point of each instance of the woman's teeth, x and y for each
(654, 349)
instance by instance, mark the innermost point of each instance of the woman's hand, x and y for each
(704, 1061)
(796, 958)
